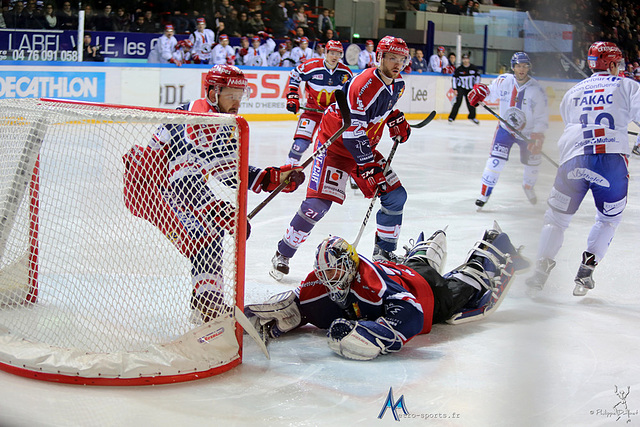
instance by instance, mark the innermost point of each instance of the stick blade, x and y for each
(426, 121)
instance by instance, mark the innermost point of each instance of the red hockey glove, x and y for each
(373, 174)
(293, 102)
(274, 176)
(478, 94)
(223, 214)
(398, 126)
(231, 60)
(175, 61)
(195, 58)
(244, 51)
(535, 146)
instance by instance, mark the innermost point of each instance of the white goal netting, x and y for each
(99, 261)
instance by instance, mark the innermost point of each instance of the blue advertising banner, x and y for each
(57, 45)
(76, 85)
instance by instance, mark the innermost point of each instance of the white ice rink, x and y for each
(549, 359)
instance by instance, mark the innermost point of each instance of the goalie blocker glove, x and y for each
(293, 101)
(398, 126)
(272, 176)
(363, 340)
(277, 315)
(478, 94)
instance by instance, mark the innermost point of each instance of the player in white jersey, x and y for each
(258, 54)
(367, 57)
(162, 52)
(523, 104)
(222, 53)
(203, 40)
(302, 52)
(594, 151)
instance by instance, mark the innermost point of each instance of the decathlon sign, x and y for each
(51, 84)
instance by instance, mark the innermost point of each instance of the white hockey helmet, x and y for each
(336, 263)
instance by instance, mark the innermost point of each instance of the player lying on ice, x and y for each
(373, 308)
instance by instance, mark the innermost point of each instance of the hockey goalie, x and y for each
(372, 308)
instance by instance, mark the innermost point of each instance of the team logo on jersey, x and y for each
(324, 97)
(516, 117)
(345, 77)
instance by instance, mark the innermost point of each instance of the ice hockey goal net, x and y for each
(89, 292)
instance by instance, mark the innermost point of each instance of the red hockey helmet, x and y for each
(334, 46)
(601, 54)
(186, 43)
(395, 45)
(221, 76)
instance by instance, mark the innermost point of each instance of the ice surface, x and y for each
(547, 359)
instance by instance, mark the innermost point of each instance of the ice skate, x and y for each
(432, 251)
(279, 266)
(481, 201)
(540, 276)
(636, 150)
(584, 278)
(380, 255)
(206, 306)
(490, 265)
(530, 193)
(476, 121)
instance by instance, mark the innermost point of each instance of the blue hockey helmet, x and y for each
(520, 58)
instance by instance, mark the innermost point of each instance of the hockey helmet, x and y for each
(520, 58)
(334, 46)
(395, 45)
(221, 76)
(186, 43)
(601, 54)
(336, 263)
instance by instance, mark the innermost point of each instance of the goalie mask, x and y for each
(221, 76)
(336, 264)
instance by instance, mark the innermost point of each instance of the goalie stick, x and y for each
(253, 333)
(516, 131)
(426, 121)
(341, 99)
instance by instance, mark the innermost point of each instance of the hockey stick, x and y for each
(253, 333)
(341, 99)
(516, 131)
(632, 133)
(375, 195)
(426, 121)
(315, 110)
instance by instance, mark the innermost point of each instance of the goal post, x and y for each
(99, 258)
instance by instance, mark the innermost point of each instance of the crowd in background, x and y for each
(234, 18)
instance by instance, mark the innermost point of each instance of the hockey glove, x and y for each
(373, 174)
(273, 177)
(535, 146)
(363, 340)
(223, 214)
(277, 315)
(195, 58)
(478, 94)
(293, 102)
(398, 126)
(175, 61)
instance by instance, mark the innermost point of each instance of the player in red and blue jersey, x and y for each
(322, 78)
(166, 182)
(371, 96)
(373, 308)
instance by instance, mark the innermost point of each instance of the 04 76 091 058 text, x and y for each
(39, 55)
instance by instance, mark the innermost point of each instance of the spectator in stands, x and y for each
(300, 18)
(367, 57)
(152, 21)
(469, 8)
(50, 17)
(4, 10)
(232, 24)
(256, 24)
(104, 20)
(451, 7)
(13, 18)
(67, 17)
(179, 21)
(329, 34)
(91, 53)
(223, 8)
(89, 18)
(278, 19)
(324, 22)
(245, 25)
(419, 62)
(122, 21)
(32, 17)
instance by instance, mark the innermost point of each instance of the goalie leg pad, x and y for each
(433, 251)
(277, 315)
(363, 340)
